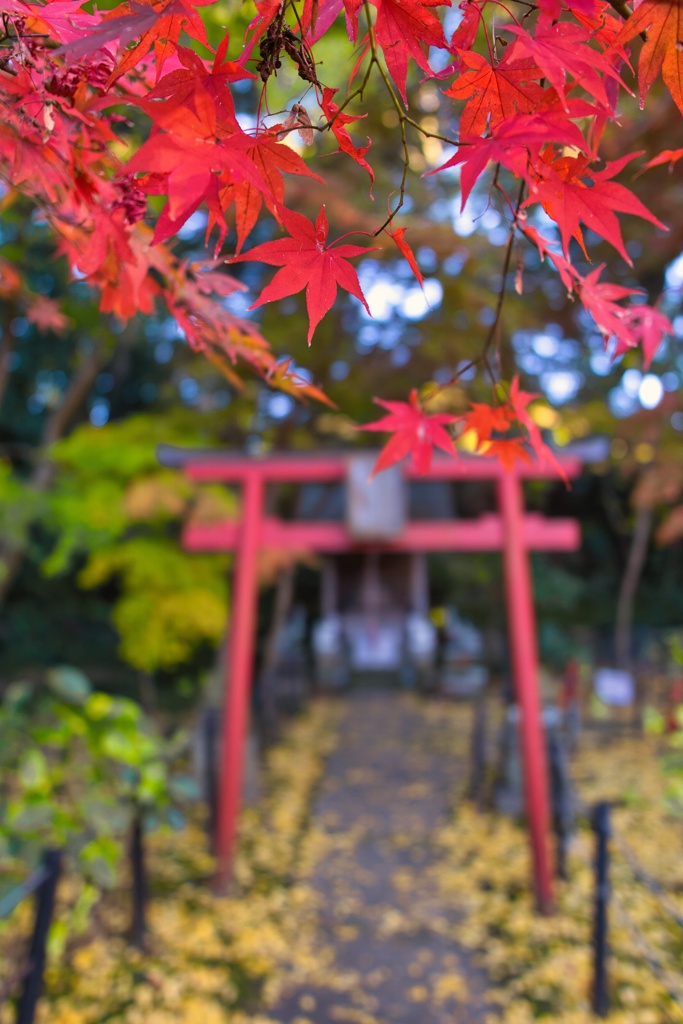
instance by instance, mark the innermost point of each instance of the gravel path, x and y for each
(388, 786)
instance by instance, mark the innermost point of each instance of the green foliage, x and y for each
(76, 766)
(654, 722)
(170, 602)
(556, 590)
(116, 506)
(88, 507)
(127, 448)
(558, 595)
(207, 958)
(674, 642)
(19, 507)
(670, 728)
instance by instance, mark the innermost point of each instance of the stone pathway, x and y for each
(388, 786)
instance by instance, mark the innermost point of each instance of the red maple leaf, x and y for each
(507, 450)
(407, 252)
(465, 35)
(191, 152)
(631, 325)
(272, 159)
(667, 156)
(318, 15)
(518, 402)
(572, 194)
(486, 420)
(180, 87)
(156, 25)
(552, 9)
(492, 422)
(512, 143)
(663, 22)
(494, 92)
(47, 315)
(338, 128)
(122, 27)
(307, 262)
(601, 299)
(404, 29)
(176, 16)
(65, 20)
(647, 327)
(562, 49)
(415, 432)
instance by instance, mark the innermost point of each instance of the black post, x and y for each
(478, 754)
(210, 723)
(137, 859)
(601, 827)
(561, 799)
(45, 905)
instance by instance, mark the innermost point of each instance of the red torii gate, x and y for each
(511, 531)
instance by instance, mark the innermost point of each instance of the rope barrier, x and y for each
(667, 979)
(654, 887)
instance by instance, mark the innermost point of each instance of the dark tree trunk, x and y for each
(637, 553)
(6, 349)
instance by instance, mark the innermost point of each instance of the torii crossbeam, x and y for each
(511, 531)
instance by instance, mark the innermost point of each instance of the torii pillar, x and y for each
(235, 710)
(524, 657)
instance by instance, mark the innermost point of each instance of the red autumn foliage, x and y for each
(532, 85)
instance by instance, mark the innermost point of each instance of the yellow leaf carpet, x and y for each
(367, 890)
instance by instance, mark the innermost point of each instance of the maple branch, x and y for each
(403, 120)
(621, 8)
(402, 117)
(358, 91)
(486, 34)
(507, 10)
(483, 356)
(494, 329)
(432, 135)
(514, 210)
(305, 51)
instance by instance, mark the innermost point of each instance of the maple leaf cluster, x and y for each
(505, 431)
(533, 86)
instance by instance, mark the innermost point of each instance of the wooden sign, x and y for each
(375, 506)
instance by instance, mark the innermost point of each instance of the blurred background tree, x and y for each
(91, 571)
